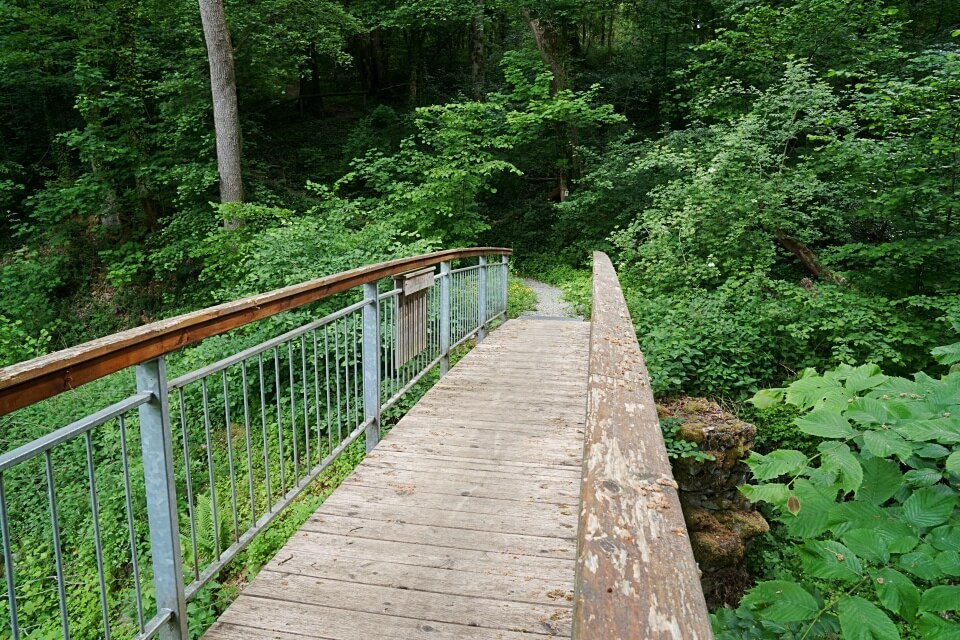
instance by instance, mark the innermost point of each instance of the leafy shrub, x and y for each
(776, 429)
(873, 514)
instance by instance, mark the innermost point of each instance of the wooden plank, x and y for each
(265, 616)
(469, 611)
(426, 555)
(531, 465)
(323, 563)
(505, 466)
(412, 513)
(571, 457)
(510, 543)
(630, 517)
(461, 503)
(34, 380)
(513, 474)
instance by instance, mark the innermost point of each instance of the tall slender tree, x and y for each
(223, 86)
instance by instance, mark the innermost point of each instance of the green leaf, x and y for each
(781, 601)
(932, 626)
(931, 451)
(884, 443)
(948, 562)
(766, 398)
(944, 538)
(953, 463)
(838, 457)
(897, 593)
(922, 477)
(774, 493)
(921, 564)
(867, 545)
(825, 424)
(830, 559)
(812, 390)
(813, 517)
(864, 377)
(869, 411)
(862, 620)
(943, 430)
(881, 479)
(950, 353)
(942, 598)
(898, 536)
(928, 507)
(776, 464)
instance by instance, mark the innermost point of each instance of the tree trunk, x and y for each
(548, 44)
(806, 256)
(476, 51)
(223, 87)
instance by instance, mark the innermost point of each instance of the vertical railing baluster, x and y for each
(371, 363)
(230, 466)
(97, 538)
(326, 368)
(210, 473)
(293, 415)
(128, 497)
(316, 396)
(482, 300)
(306, 406)
(249, 440)
(57, 553)
(444, 317)
(8, 564)
(157, 448)
(191, 505)
(282, 459)
(336, 373)
(505, 261)
(266, 441)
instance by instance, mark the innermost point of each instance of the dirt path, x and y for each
(549, 300)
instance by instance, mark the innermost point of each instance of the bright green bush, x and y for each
(873, 514)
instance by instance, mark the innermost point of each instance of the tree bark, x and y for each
(548, 45)
(223, 87)
(806, 256)
(476, 51)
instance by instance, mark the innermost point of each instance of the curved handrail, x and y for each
(636, 574)
(34, 380)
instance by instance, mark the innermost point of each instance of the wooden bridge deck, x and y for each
(461, 525)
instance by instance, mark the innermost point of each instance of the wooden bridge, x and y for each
(527, 493)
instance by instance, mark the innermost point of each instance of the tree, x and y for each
(223, 87)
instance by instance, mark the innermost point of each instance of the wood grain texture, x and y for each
(34, 380)
(460, 524)
(636, 575)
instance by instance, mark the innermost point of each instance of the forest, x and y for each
(777, 182)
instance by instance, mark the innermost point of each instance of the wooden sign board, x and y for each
(413, 313)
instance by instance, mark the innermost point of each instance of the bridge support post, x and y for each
(444, 317)
(370, 358)
(504, 260)
(156, 443)
(482, 301)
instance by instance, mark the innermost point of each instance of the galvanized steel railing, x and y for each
(221, 450)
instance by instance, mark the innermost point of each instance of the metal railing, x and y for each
(116, 521)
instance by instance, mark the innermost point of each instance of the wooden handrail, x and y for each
(34, 380)
(636, 574)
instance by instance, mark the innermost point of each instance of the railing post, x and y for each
(156, 443)
(371, 363)
(505, 260)
(482, 305)
(444, 317)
